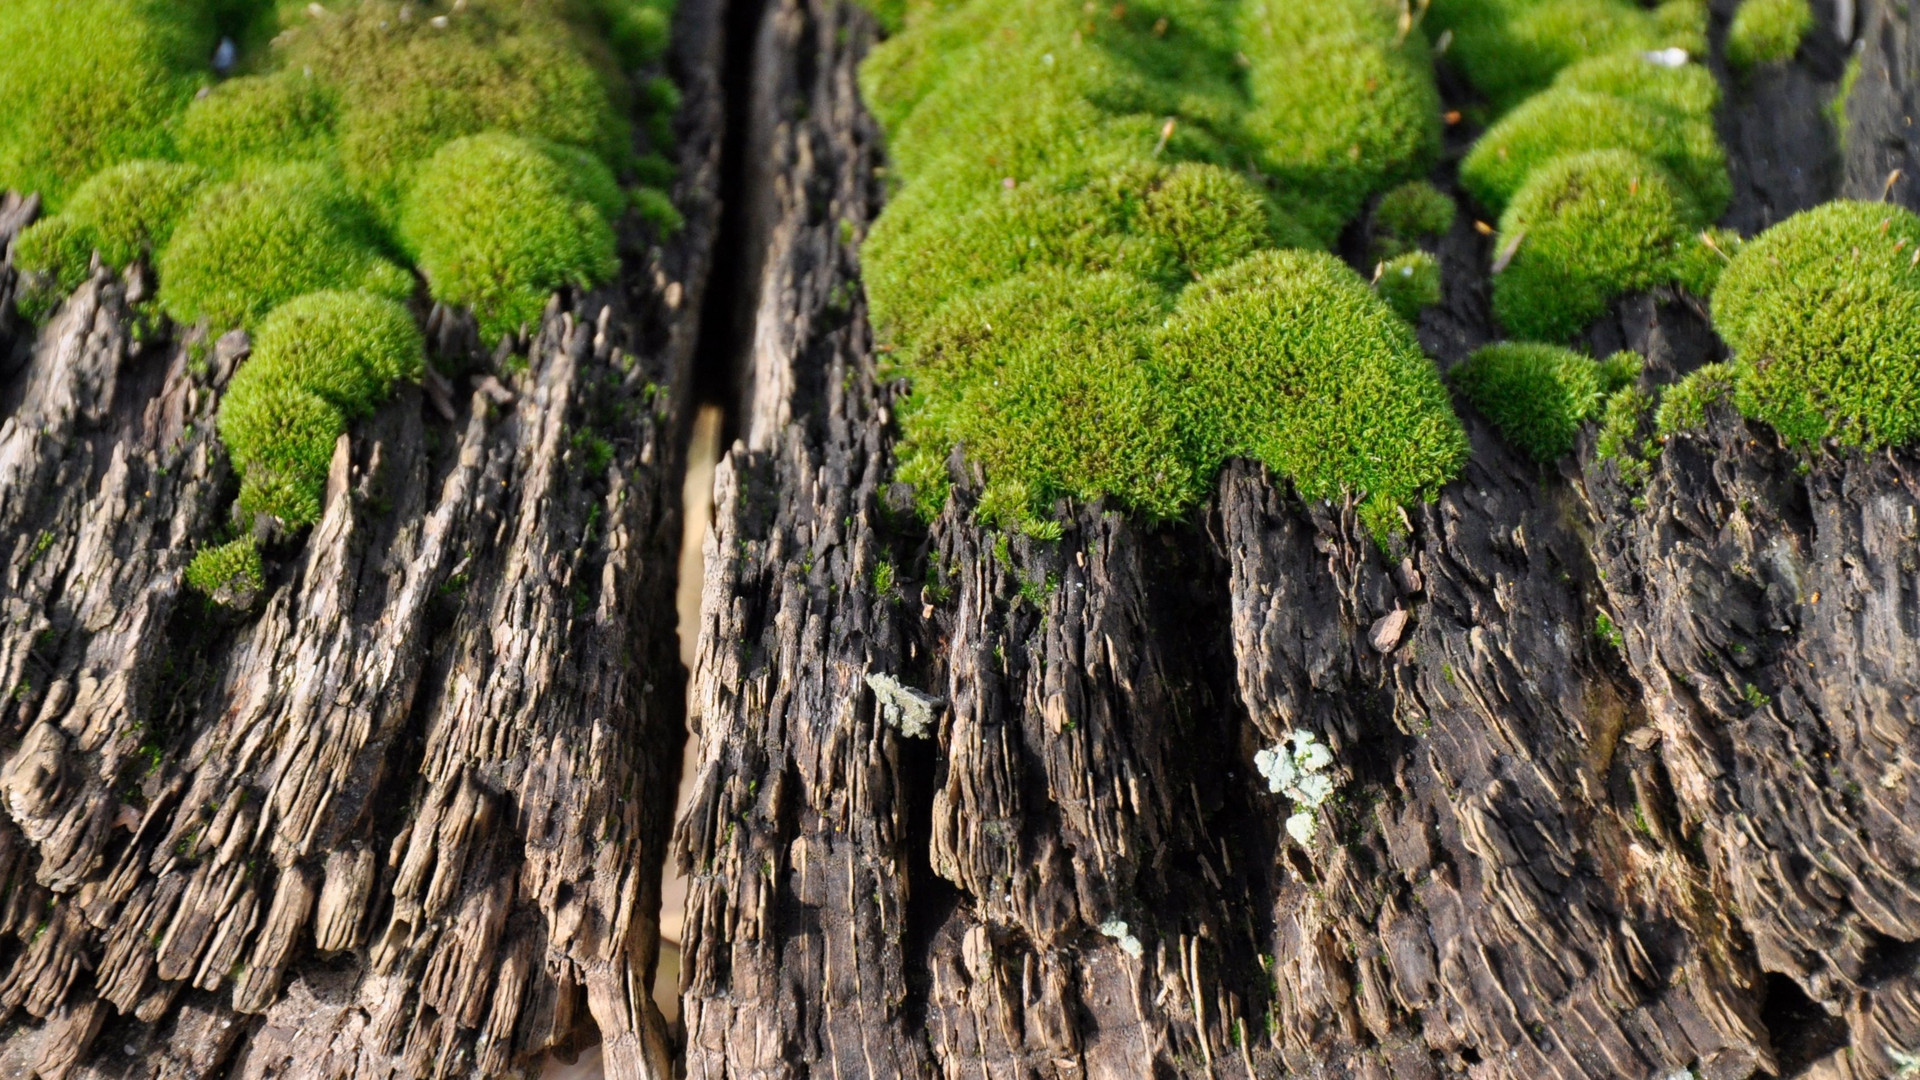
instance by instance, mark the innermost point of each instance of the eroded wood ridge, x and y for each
(1547, 855)
(406, 818)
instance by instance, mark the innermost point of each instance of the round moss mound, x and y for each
(230, 573)
(318, 361)
(1408, 215)
(989, 376)
(1822, 312)
(349, 348)
(259, 119)
(497, 225)
(406, 87)
(1536, 395)
(280, 439)
(1288, 358)
(1511, 49)
(124, 213)
(1338, 117)
(1409, 283)
(87, 84)
(1766, 31)
(1584, 230)
(1565, 120)
(252, 244)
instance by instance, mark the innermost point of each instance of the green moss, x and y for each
(1167, 224)
(318, 361)
(349, 348)
(1569, 121)
(406, 88)
(656, 208)
(228, 573)
(637, 29)
(256, 119)
(52, 255)
(498, 224)
(1371, 118)
(1766, 31)
(1537, 395)
(1510, 49)
(1619, 438)
(1683, 406)
(252, 244)
(1288, 358)
(281, 439)
(988, 375)
(124, 213)
(1584, 230)
(1837, 108)
(1409, 283)
(87, 84)
(1823, 314)
(1414, 212)
(1157, 152)
(1620, 370)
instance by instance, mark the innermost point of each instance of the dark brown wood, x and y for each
(407, 817)
(1546, 856)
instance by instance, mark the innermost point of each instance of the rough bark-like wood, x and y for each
(1548, 857)
(407, 817)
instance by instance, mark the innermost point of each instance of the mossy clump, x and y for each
(124, 213)
(1413, 213)
(1156, 150)
(1342, 106)
(350, 348)
(1766, 31)
(1537, 395)
(1409, 283)
(1619, 439)
(407, 86)
(88, 83)
(259, 119)
(1586, 229)
(1665, 115)
(1289, 359)
(1822, 312)
(1511, 49)
(252, 244)
(988, 375)
(1683, 406)
(1605, 182)
(229, 574)
(497, 224)
(1167, 224)
(318, 361)
(1837, 107)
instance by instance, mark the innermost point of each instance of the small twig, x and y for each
(1508, 250)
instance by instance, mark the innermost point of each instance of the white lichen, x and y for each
(1297, 768)
(910, 712)
(1906, 1066)
(1118, 931)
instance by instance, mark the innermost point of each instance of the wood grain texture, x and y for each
(406, 817)
(1530, 866)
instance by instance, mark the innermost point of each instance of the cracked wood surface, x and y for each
(406, 818)
(1548, 857)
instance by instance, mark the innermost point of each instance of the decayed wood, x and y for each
(1546, 857)
(406, 817)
